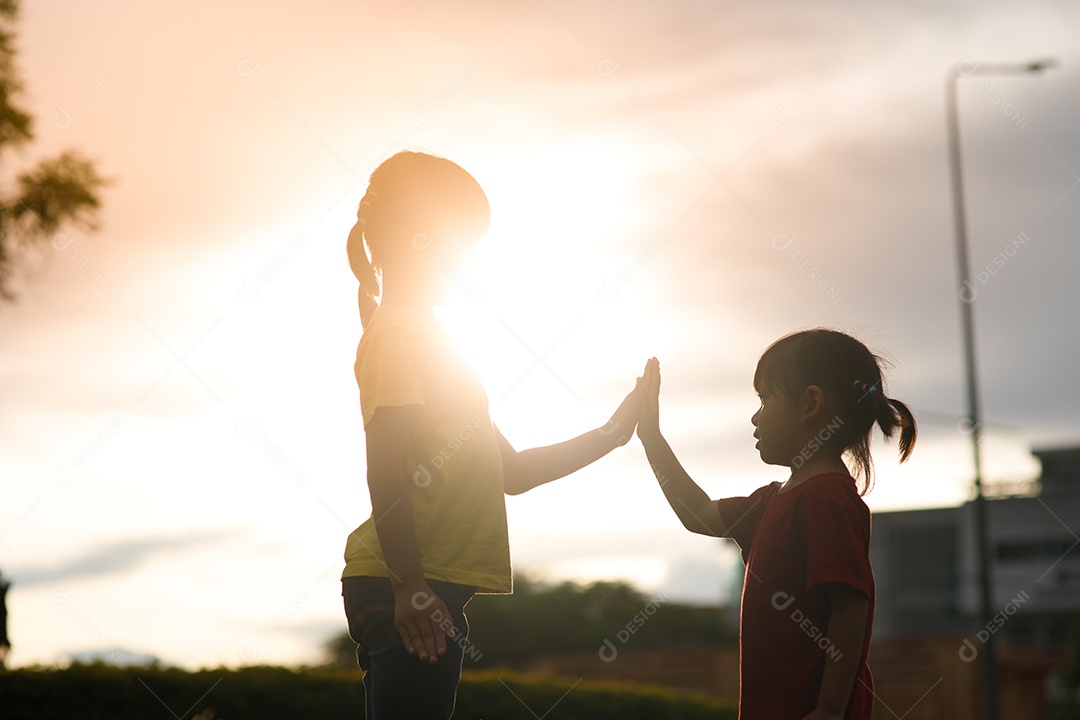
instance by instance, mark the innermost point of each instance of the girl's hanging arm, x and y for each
(848, 609)
(389, 433)
(697, 512)
(530, 468)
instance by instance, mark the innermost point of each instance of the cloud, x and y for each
(117, 558)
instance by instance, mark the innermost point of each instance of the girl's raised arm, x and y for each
(527, 469)
(697, 512)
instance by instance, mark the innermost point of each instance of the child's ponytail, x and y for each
(361, 265)
(897, 415)
(890, 415)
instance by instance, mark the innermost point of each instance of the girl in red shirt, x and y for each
(808, 592)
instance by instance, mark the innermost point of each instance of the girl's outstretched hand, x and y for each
(649, 392)
(622, 423)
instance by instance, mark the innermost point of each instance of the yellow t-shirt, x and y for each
(454, 463)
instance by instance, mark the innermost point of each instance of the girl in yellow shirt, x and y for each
(437, 468)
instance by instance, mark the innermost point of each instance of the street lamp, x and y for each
(967, 299)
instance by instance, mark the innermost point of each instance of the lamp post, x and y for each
(967, 299)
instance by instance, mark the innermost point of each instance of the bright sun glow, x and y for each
(561, 222)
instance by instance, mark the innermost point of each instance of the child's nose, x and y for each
(753, 418)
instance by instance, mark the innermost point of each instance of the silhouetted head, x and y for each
(416, 205)
(850, 377)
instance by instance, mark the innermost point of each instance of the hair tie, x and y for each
(862, 387)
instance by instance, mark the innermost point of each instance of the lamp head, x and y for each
(1040, 65)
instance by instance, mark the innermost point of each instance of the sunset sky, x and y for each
(182, 450)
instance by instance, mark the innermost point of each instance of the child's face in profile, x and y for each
(777, 424)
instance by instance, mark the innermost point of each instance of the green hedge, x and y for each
(103, 692)
(487, 694)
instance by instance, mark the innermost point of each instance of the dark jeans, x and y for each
(398, 684)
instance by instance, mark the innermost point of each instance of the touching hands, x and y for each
(649, 394)
(421, 619)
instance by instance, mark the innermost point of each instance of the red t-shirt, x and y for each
(792, 541)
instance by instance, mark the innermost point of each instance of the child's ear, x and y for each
(813, 402)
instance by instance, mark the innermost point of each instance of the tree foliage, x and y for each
(55, 191)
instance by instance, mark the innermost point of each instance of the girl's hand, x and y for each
(622, 423)
(649, 392)
(422, 619)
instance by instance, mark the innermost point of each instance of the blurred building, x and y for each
(925, 563)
